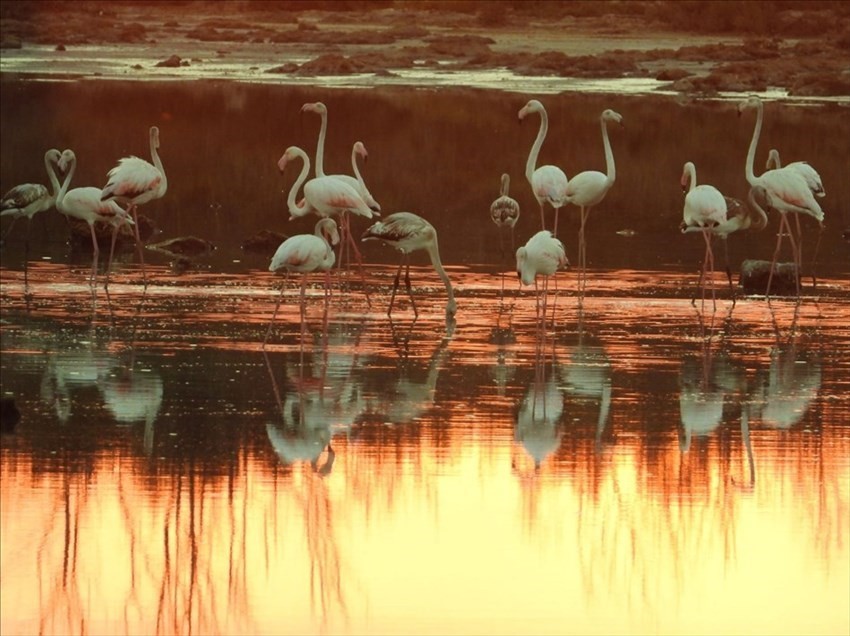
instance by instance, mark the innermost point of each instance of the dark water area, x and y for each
(641, 465)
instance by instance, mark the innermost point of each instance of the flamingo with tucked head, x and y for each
(542, 255)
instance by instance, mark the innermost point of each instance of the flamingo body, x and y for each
(136, 181)
(542, 255)
(408, 232)
(803, 168)
(504, 211)
(548, 182)
(305, 253)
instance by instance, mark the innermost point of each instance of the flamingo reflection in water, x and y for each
(784, 394)
(537, 427)
(133, 394)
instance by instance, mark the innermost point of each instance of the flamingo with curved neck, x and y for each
(788, 189)
(588, 188)
(548, 183)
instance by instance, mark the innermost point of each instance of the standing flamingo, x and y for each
(705, 209)
(542, 255)
(504, 211)
(588, 188)
(787, 188)
(135, 181)
(548, 183)
(305, 253)
(408, 232)
(27, 200)
(86, 204)
(813, 180)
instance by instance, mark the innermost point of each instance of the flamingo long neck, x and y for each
(320, 146)
(60, 196)
(51, 174)
(163, 184)
(434, 253)
(538, 143)
(692, 176)
(751, 153)
(357, 174)
(293, 191)
(506, 184)
(611, 171)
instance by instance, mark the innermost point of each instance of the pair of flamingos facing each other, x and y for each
(133, 181)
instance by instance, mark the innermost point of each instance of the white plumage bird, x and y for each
(135, 181)
(548, 183)
(542, 255)
(304, 254)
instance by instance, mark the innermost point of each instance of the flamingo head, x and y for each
(315, 107)
(288, 155)
(773, 161)
(750, 102)
(326, 228)
(360, 149)
(66, 159)
(533, 106)
(612, 115)
(53, 156)
(154, 133)
(685, 181)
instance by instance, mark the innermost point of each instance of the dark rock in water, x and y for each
(172, 62)
(264, 242)
(9, 415)
(81, 234)
(191, 246)
(754, 275)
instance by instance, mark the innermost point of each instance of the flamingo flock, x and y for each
(336, 199)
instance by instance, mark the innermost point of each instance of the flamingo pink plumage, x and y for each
(787, 188)
(588, 188)
(305, 253)
(135, 181)
(86, 204)
(542, 255)
(548, 183)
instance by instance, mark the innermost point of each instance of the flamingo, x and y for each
(705, 209)
(787, 188)
(305, 253)
(86, 204)
(408, 232)
(135, 181)
(739, 217)
(815, 183)
(28, 199)
(588, 188)
(542, 255)
(504, 211)
(548, 183)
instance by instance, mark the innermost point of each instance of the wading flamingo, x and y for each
(27, 200)
(815, 183)
(787, 188)
(86, 204)
(408, 232)
(305, 253)
(588, 188)
(542, 255)
(705, 209)
(504, 212)
(548, 183)
(135, 181)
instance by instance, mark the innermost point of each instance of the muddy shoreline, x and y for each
(804, 50)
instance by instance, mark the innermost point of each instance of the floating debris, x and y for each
(626, 232)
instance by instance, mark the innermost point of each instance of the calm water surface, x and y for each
(641, 466)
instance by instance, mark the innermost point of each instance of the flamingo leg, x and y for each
(582, 261)
(9, 231)
(711, 271)
(542, 218)
(27, 257)
(782, 224)
(359, 257)
(139, 246)
(95, 253)
(274, 315)
(303, 307)
(111, 253)
(395, 284)
(729, 270)
(815, 256)
(410, 290)
(555, 227)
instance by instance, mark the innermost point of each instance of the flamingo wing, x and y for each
(301, 253)
(549, 184)
(21, 196)
(811, 176)
(504, 211)
(132, 177)
(329, 196)
(587, 188)
(790, 192)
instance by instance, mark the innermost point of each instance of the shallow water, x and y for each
(641, 466)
